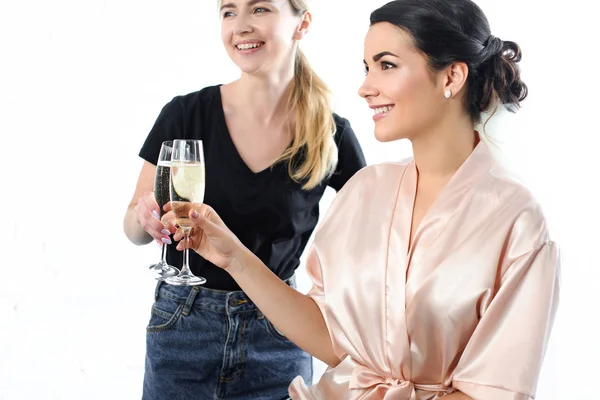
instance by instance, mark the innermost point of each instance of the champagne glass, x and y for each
(187, 192)
(162, 182)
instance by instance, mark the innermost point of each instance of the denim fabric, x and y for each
(209, 344)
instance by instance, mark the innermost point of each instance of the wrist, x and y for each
(240, 260)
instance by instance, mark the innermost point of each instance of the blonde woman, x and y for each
(272, 145)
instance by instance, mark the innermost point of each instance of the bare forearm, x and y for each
(133, 230)
(296, 315)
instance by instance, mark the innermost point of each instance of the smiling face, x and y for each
(261, 36)
(406, 96)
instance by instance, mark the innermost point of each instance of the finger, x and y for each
(189, 243)
(209, 213)
(166, 239)
(169, 221)
(167, 207)
(203, 221)
(171, 227)
(155, 228)
(151, 205)
(178, 235)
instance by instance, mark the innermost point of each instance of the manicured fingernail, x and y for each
(195, 214)
(156, 214)
(166, 240)
(165, 232)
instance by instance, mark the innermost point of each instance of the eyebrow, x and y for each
(250, 3)
(378, 56)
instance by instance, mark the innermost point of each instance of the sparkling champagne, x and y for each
(161, 184)
(187, 189)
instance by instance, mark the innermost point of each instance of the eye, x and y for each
(260, 10)
(387, 65)
(227, 14)
(366, 70)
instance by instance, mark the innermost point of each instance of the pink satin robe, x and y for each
(468, 307)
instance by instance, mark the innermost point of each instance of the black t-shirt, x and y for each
(268, 211)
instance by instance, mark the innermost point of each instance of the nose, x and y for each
(367, 89)
(243, 25)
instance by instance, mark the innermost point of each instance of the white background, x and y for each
(82, 82)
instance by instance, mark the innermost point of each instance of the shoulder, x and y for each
(374, 176)
(345, 138)
(507, 186)
(343, 128)
(203, 97)
(340, 122)
(365, 202)
(372, 182)
(519, 206)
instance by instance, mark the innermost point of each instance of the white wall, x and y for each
(81, 83)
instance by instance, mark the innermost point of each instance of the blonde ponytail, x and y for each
(313, 144)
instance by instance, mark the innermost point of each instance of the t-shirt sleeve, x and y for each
(168, 126)
(350, 155)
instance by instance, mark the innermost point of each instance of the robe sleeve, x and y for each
(503, 357)
(318, 294)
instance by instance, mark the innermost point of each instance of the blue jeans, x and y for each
(210, 345)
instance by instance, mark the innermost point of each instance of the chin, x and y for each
(386, 135)
(245, 66)
(248, 70)
(252, 69)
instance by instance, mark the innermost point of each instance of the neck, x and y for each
(265, 97)
(440, 153)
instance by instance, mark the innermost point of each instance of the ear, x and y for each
(304, 26)
(455, 78)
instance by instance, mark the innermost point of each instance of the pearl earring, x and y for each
(448, 94)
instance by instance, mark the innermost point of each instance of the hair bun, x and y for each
(502, 80)
(493, 46)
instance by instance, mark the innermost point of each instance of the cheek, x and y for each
(225, 36)
(283, 33)
(408, 93)
(413, 109)
(415, 99)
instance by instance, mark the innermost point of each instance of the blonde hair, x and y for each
(312, 156)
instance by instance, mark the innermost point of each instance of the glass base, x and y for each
(163, 270)
(184, 279)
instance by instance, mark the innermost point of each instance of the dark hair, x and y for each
(449, 31)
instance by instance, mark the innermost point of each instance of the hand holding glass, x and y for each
(162, 183)
(186, 191)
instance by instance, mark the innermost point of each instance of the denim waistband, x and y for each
(210, 299)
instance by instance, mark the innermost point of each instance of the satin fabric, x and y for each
(468, 306)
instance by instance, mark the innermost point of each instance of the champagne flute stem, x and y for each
(163, 257)
(186, 252)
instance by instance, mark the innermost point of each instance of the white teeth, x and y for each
(381, 110)
(248, 46)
